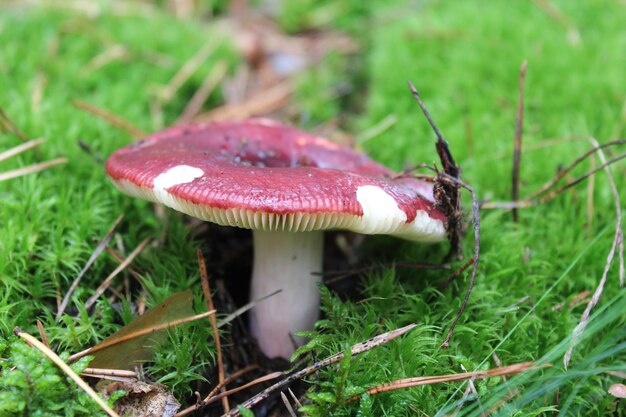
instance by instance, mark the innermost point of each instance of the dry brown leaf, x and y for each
(127, 354)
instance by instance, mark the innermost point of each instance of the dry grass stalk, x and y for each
(105, 284)
(188, 69)
(133, 271)
(617, 246)
(114, 53)
(287, 404)
(36, 97)
(529, 202)
(216, 335)
(31, 169)
(110, 117)
(260, 103)
(103, 243)
(66, 369)
(429, 380)
(42, 334)
(20, 148)
(210, 82)
(295, 399)
(110, 372)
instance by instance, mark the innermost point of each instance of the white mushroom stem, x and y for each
(285, 261)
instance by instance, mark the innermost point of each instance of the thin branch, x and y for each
(475, 257)
(103, 243)
(66, 369)
(355, 350)
(210, 395)
(517, 147)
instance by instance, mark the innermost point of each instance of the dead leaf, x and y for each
(128, 354)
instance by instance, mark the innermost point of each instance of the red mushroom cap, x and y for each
(260, 174)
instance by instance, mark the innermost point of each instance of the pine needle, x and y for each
(66, 369)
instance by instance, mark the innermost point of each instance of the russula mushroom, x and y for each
(288, 187)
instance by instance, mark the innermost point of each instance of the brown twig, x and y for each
(105, 284)
(616, 246)
(103, 243)
(204, 278)
(517, 147)
(443, 285)
(65, 368)
(110, 117)
(447, 193)
(137, 334)
(475, 257)
(355, 350)
(429, 380)
(201, 403)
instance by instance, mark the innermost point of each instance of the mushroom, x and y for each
(288, 187)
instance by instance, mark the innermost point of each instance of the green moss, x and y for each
(464, 57)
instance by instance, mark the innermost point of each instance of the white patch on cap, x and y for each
(382, 215)
(180, 174)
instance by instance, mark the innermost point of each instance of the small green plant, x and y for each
(31, 385)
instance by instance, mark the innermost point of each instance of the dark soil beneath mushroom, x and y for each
(228, 252)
